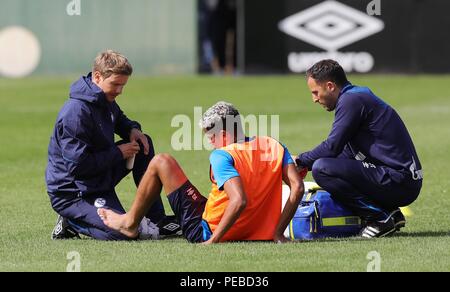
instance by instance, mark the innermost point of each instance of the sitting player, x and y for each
(245, 200)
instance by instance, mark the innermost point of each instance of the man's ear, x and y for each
(331, 86)
(96, 77)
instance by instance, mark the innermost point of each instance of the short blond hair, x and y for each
(110, 62)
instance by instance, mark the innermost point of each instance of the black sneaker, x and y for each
(169, 227)
(379, 228)
(63, 230)
(399, 219)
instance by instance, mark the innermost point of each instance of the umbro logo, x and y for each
(331, 26)
(58, 228)
(171, 226)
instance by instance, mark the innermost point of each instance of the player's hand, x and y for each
(279, 238)
(303, 172)
(129, 150)
(138, 136)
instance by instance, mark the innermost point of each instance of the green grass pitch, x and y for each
(28, 109)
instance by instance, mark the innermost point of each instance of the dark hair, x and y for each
(327, 70)
(221, 115)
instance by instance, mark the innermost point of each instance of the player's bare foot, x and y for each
(117, 222)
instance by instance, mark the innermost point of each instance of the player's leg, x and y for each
(188, 205)
(163, 171)
(156, 213)
(185, 200)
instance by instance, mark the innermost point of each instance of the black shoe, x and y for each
(63, 230)
(399, 219)
(379, 228)
(169, 227)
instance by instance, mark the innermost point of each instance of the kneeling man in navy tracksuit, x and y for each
(85, 164)
(368, 162)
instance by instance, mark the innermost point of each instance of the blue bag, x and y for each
(319, 216)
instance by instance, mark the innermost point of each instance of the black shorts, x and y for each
(188, 205)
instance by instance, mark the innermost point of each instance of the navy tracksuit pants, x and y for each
(371, 191)
(81, 212)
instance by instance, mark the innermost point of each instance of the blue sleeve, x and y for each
(76, 146)
(222, 165)
(287, 157)
(349, 115)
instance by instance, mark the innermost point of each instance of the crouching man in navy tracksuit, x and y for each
(368, 162)
(84, 162)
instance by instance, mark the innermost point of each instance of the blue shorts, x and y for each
(188, 205)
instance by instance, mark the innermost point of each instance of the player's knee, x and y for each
(163, 158)
(162, 161)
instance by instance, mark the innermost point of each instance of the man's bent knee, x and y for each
(162, 161)
(319, 169)
(167, 169)
(164, 158)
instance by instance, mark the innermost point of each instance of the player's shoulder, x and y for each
(219, 155)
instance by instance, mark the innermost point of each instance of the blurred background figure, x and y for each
(217, 36)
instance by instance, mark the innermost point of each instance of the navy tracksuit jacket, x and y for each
(84, 162)
(368, 161)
